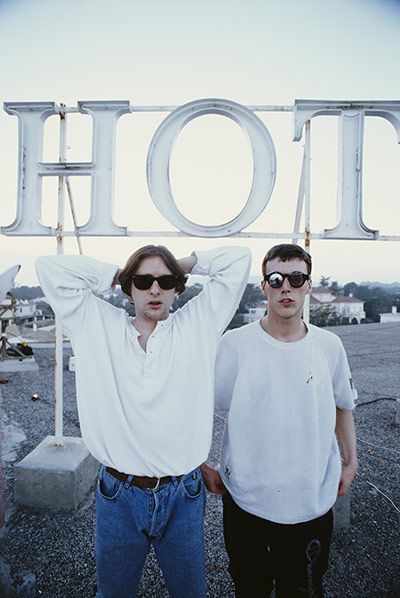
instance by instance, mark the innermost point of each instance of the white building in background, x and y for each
(25, 309)
(392, 317)
(345, 306)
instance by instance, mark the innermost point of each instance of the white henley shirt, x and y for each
(145, 413)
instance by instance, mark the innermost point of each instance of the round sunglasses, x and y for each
(296, 279)
(144, 282)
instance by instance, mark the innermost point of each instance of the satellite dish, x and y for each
(7, 281)
(11, 358)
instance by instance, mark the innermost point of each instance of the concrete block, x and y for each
(28, 364)
(55, 477)
(341, 512)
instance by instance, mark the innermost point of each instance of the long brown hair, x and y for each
(134, 261)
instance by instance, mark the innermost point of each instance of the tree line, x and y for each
(377, 297)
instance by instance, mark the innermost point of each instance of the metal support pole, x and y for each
(300, 201)
(58, 325)
(74, 219)
(307, 222)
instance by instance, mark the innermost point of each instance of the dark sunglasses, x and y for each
(296, 279)
(143, 282)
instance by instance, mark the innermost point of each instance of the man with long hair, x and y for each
(145, 400)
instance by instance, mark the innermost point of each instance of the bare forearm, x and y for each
(346, 435)
(187, 263)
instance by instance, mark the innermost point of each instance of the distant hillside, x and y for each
(24, 292)
(392, 287)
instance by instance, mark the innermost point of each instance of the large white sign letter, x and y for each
(264, 165)
(31, 117)
(351, 136)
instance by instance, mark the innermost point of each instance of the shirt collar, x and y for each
(160, 326)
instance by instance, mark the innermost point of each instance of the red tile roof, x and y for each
(346, 299)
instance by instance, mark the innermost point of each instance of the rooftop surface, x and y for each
(52, 554)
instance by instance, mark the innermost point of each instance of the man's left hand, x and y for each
(347, 476)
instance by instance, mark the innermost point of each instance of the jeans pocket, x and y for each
(192, 484)
(109, 487)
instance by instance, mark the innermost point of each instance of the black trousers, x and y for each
(261, 552)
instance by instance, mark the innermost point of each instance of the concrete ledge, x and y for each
(55, 477)
(28, 364)
(341, 512)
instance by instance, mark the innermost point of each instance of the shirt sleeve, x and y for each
(343, 386)
(228, 270)
(225, 373)
(70, 282)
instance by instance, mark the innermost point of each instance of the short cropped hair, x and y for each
(286, 252)
(134, 261)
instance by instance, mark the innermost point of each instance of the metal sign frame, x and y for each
(105, 114)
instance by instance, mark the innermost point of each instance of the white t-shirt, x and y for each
(280, 458)
(145, 413)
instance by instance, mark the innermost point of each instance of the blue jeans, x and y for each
(129, 519)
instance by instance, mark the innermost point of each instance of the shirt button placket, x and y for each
(149, 359)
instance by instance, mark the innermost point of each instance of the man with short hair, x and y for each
(145, 401)
(288, 393)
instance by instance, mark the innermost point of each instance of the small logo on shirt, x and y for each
(310, 379)
(227, 472)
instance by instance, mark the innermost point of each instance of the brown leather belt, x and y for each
(142, 481)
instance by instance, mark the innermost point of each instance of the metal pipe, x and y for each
(58, 325)
(178, 233)
(253, 108)
(74, 219)
(169, 108)
(300, 200)
(241, 235)
(307, 219)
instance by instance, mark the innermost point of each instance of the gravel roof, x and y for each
(52, 554)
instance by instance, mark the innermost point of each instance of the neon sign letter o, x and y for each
(264, 165)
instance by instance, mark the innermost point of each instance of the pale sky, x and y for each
(168, 52)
